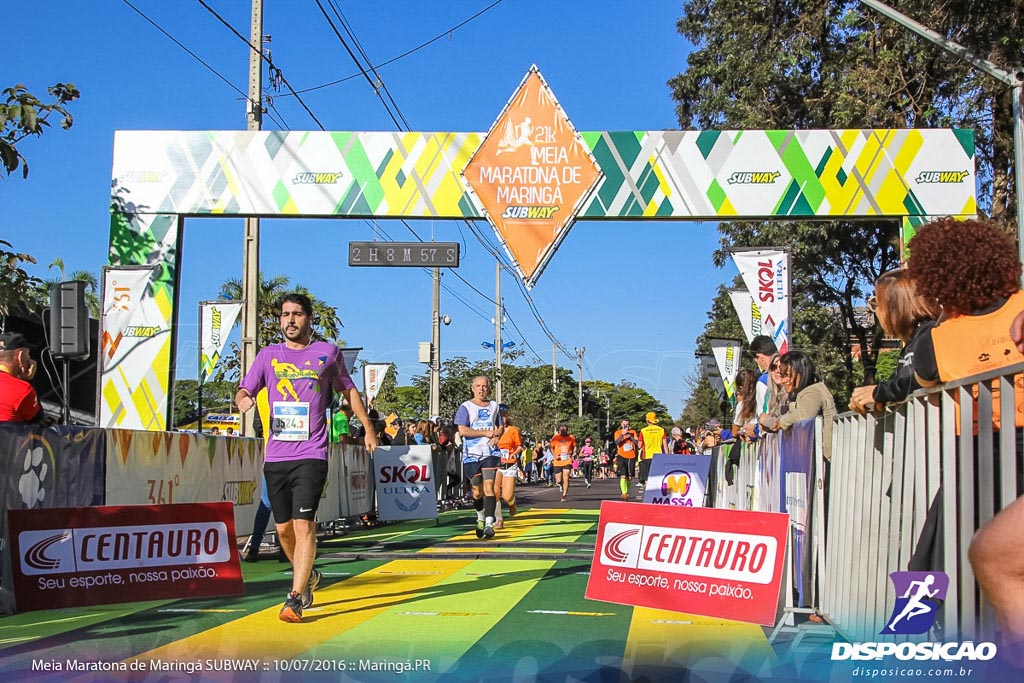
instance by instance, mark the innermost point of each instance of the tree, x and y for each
(16, 285)
(23, 114)
(834, 64)
(326, 322)
(217, 396)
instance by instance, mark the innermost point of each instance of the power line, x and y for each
(274, 70)
(406, 53)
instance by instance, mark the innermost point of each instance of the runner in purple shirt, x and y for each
(300, 376)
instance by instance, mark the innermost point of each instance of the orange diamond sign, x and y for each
(532, 174)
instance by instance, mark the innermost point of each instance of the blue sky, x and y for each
(635, 295)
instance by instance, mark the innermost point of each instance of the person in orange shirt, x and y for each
(627, 445)
(563, 446)
(511, 446)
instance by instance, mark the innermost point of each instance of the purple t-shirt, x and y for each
(305, 375)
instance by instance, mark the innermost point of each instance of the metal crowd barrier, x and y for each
(887, 472)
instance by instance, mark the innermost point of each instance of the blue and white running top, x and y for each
(475, 416)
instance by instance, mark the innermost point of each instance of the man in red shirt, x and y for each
(18, 400)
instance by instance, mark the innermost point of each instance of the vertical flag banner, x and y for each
(349, 355)
(748, 311)
(709, 369)
(766, 274)
(373, 378)
(216, 318)
(132, 335)
(727, 357)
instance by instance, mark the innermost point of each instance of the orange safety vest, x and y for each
(973, 344)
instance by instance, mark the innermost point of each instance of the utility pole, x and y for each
(251, 248)
(579, 382)
(435, 349)
(1013, 78)
(554, 367)
(497, 331)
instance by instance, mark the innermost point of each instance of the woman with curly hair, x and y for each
(902, 313)
(970, 269)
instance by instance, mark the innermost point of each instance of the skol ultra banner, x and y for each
(709, 369)
(766, 274)
(216, 318)
(135, 338)
(747, 311)
(405, 482)
(717, 563)
(373, 378)
(727, 357)
(71, 557)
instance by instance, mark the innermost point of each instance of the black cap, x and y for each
(13, 340)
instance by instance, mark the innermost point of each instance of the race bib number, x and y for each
(628, 446)
(290, 421)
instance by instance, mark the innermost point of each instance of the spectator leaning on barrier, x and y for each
(763, 349)
(977, 284)
(808, 397)
(971, 269)
(18, 400)
(905, 314)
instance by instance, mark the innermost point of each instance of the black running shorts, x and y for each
(471, 469)
(625, 467)
(295, 487)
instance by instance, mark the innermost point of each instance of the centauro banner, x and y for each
(134, 334)
(766, 274)
(216, 318)
(727, 357)
(748, 312)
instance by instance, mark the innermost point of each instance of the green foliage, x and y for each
(16, 285)
(886, 364)
(217, 397)
(536, 408)
(837, 64)
(23, 114)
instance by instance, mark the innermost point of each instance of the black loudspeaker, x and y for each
(69, 320)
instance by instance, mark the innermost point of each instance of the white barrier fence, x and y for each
(928, 454)
(907, 489)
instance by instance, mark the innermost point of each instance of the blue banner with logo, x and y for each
(797, 486)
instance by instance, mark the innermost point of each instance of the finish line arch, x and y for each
(162, 177)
